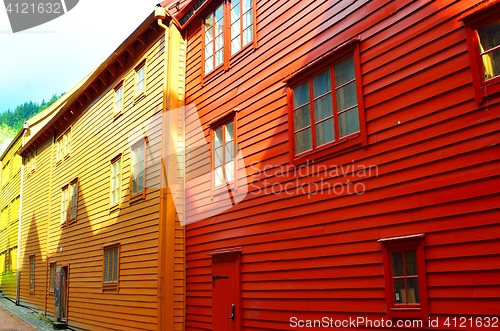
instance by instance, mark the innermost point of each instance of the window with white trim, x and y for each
(116, 169)
(223, 153)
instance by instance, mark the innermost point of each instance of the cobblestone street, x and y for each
(10, 322)
(18, 318)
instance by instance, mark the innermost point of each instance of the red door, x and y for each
(226, 304)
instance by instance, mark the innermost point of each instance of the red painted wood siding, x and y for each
(433, 150)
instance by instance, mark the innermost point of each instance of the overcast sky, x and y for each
(52, 57)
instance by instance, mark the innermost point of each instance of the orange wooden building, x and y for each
(101, 245)
(367, 178)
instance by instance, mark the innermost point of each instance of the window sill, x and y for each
(334, 148)
(212, 75)
(222, 189)
(239, 55)
(113, 287)
(410, 313)
(138, 98)
(117, 114)
(114, 208)
(137, 197)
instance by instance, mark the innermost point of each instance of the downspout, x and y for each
(19, 223)
(160, 14)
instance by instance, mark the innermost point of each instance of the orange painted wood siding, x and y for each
(432, 149)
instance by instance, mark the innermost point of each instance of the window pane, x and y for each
(399, 291)
(235, 29)
(218, 138)
(218, 157)
(323, 107)
(247, 4)
(491, 64)
(235, 12)
(302, 118)
(235, 45)
(324, 132)
(247, 19)
(230, 171)
(230, 131)
(321, 84)
(229, 151)
(397, 264)
(106, 261)
(140, 181)
(209, 64)
(349, 122)
(300, 95)
(248, 35)
(344, 71)
(208, 38)
(219, 57)
(208, 21)
(219, 12)
(346, 96)
(115, 265)
(219, 42)
(489, 36)
(219, 176)
(303, 141)
(412, 286)
(411, 263)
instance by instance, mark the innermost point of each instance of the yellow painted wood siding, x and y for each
(9, 207)
(97, 137)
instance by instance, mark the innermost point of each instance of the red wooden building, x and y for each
(367, 179)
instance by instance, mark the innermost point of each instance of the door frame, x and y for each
(230, 255)
(65, 268)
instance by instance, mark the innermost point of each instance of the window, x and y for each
(63, 146)
(488, 37)
(32, 273)
(116, 166)
(405, 278)
(33, 160)
(111, 267)
(241, 24)
(73, 202)
(6, 216)
(5, 174)
(52, 276)
(223, 153)
(64, 205)
(140, 78)
(237, 32)
(119, 98)
(14, 217)
(69, 203)
(7, 262)
(322, 114)
(214, 39)
(483, 40)
(138, 171)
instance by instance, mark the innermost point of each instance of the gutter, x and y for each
(160, 15)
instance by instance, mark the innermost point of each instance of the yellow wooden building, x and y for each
(102, 247)
(9, 216)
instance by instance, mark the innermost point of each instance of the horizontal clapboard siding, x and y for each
(431, 158)
(97, 137)
(10, 191)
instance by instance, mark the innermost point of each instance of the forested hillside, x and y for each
(12, 121)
